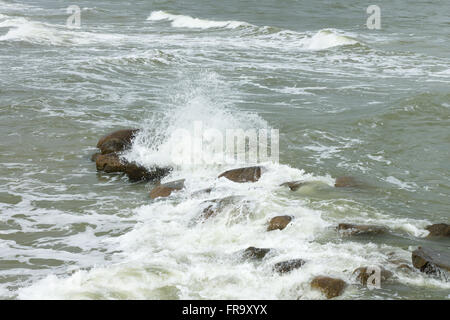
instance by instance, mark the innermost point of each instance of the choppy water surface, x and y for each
(347, 100)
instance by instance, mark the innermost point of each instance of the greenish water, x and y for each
(373, 104)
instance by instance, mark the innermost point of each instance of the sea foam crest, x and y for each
(327, 38)
(22, 29)
(183, 21)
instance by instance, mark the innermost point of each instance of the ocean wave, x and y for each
(183, 21)
(156, 57)
(322, 39)
(13, 6)
(328, 38)
(23, 29)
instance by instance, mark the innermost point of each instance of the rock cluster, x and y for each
(109, 160)
(427, 260)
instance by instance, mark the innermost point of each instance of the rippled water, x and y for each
(347, 100)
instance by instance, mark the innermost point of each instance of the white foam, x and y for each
(327, 38)
(198, 101)
(403, 185)
(183, 21)
(22, 29)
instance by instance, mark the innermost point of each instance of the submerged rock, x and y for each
(249, 174)
(430, 261)
(216, 205)
(288, 266)
(363, 274)
(404, 267)
(200, 192)
(111, 162)
(117, 141)
(346, 182)
(164, 190)
(279, 223)
(438, 230)
(293, 185)
(331, 287)
(355, 229)
(252, 253)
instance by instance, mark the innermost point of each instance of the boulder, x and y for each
(279, 223)
(165, 189)
(430, 261)
(346, 182)
(438, 230)
(111, 162)
(331, 287)
(363, 274)
(293, 185)
(139, 173)
(252, 253)
(355, 229)
(117, 141)
(288, 266)
(249, 174)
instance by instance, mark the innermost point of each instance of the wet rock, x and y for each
(293, 185)
(249, 174)
(288, 266)
(139, 173)
(279, 223)
(331, 287)
(94, 157)
(355, 229)
(116, 141)
(111, 162)
(438, 230)
(164, 190)
(430, 261)
(252, 253)
(217, 205)
(346, 182)
(363, 274)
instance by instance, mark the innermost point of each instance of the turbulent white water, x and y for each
(23, 29)
(182, 21)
